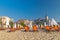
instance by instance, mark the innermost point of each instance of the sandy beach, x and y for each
(20, 35)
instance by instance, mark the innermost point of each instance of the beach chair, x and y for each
(56, 28)
(17, 28)
(48, 28)
(42, 27)
(12, 29)
(1, 28)
(35, 28)
(26, 28)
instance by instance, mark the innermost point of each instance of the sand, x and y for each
(20, 35)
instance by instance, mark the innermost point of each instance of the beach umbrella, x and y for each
(44, 23)
(30, 26)
(41, 26)
(53, 22)
(14, 25)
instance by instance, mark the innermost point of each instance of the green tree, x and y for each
(1, 23)
(22, 23)
(41, 22)
(11, 24)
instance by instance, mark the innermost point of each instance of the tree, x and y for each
(11, 24)
(0, 22)
(22, 23)
(41, 22)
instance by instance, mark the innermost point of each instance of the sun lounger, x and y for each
(26, 28)
(56, 28)
(35, 28)
(48, 28)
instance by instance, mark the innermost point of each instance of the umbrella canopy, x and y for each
(53, 22)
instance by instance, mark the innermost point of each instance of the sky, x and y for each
(30, 9)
